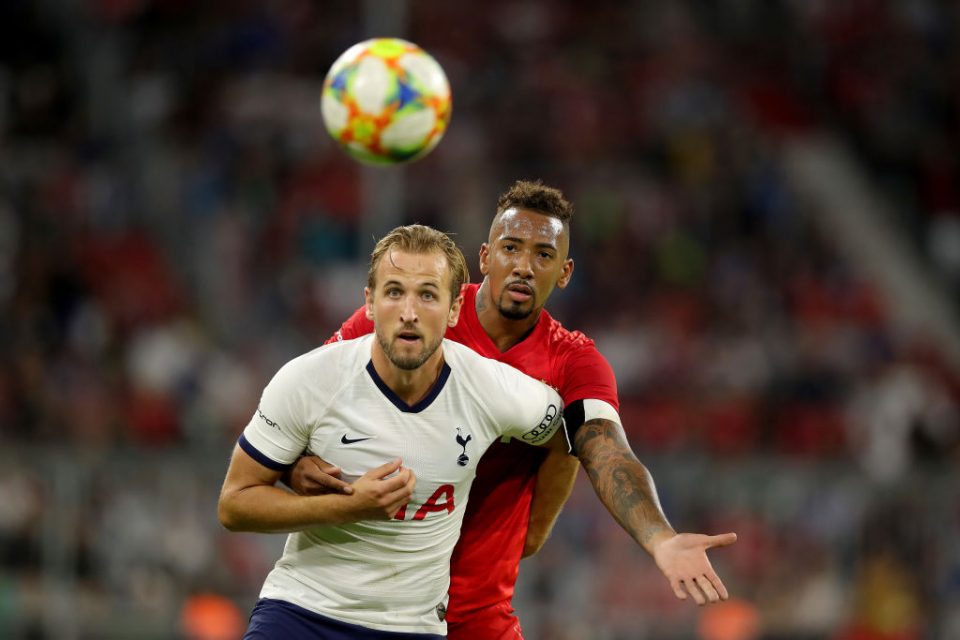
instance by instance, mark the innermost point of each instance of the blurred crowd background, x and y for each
(175, 224)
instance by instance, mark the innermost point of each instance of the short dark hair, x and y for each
(420, 239)
(536, 196)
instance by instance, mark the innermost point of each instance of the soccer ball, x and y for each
(386, 101)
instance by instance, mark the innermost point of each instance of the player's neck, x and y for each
(411, 386)
(504, 332)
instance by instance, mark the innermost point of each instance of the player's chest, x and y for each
(442, 442)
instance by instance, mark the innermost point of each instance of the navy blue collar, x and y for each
(398, 402)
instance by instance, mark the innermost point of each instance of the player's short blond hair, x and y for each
(421, 239)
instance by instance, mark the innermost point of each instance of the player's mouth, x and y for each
(408, 337)
(519, 292)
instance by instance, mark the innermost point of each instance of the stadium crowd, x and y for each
(174, 224)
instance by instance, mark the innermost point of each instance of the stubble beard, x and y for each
(511, 310)
(407, 362)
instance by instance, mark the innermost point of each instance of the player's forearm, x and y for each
(269, 509)
(622, 482)
(554, 483)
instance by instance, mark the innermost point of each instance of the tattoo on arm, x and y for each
(620, 480)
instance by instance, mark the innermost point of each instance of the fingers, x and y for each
(702, 589)
(718, 585)
(695, 593)
(721, 540)
(402, 494)
(677, 586)
(327, 477)
(398, 481)
(411, 482)
(384, 470)
(707, 588)
(326, 467)
(386, 495)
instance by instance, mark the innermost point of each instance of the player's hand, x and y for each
(312, 476)
(683, 560)
(378, 497)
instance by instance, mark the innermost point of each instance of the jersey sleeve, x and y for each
(588, 375)
(533, 411)
(355, 326)
(589, 390)
(278, 432)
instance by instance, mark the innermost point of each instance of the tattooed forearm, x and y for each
(623, 484)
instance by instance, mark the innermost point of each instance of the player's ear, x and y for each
(565, 274)
(484, 258)
(368, 302)
(454, 316)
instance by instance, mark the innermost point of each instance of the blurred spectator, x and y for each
(900, 415)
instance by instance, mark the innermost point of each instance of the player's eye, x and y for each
(428, 295)
(394, 292)
(546, 255)
(510, 247)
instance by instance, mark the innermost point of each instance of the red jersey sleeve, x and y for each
(355, 326)
(588, 376)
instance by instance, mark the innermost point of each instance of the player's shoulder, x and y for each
(506, 394)
(576, 361)
(329, 361)
(559, 337)
(461, 355)
(470, 365)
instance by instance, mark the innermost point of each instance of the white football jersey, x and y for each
(389, 575)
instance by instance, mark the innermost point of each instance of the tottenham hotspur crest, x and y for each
(463, 459)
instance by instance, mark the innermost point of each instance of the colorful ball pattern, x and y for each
(386, 101)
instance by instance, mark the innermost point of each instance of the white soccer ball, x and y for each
(386, 101)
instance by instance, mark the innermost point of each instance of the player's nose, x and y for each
(523, 266)
(408, 310)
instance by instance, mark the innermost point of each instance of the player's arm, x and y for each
(311, 475)
(250, 501)
(555, 479)
(537, 419)
(271, 441)
(626, 488)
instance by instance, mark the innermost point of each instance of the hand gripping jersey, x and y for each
(389, 575)
(486, 560)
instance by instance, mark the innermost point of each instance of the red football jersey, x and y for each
(486, 560)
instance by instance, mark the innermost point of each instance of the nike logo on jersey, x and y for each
(345, 440)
